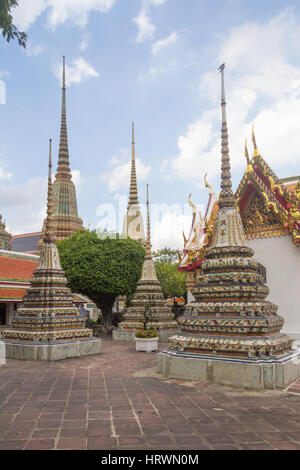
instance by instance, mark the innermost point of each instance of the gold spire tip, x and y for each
(207, 184)
(247, 153)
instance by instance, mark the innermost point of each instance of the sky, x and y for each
(154, 62)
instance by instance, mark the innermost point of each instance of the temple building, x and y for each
(133, 226)
(269, 210)
(26, 243)
(148, 308)
(16, 270)
(65, 219)
(48, 326)
(230, 334)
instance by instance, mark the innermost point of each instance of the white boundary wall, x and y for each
(281, 259)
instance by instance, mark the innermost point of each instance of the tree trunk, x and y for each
(107, 315)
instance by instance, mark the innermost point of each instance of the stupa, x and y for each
(5, 237)
(48, 326)
(133, 226)
(230, 333)
(65, 218)
(148, 304)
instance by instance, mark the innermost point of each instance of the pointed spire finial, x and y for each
(48, 236)
(255, 151)
(226, 195)
(247, 153)
(148, 246)
(64, 73)
(63, 170)
(192, 205)
(207, 184)
(133, 194)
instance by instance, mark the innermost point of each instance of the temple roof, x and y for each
(26, 243)
(275, 199)
(16, 266)
(281, 196)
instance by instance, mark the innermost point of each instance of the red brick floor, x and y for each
(116, 401)
(295, 388)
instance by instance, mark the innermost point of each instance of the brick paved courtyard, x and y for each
(116, 401)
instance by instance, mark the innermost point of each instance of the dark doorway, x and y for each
(2, 314)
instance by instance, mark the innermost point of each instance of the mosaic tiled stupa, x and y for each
(48, 322)
(5, 237)
(65, 212)
(148, 303)
(133, 226)
(230, 327)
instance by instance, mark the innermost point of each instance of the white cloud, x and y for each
(84, 43)
(34, 51)
(146, 28)
(24, 208)
(168, 230)
(79, 71)
(78, 180)
(162, 43)
(59, 11)
(119, 177)
(5, 175)
(263, 86)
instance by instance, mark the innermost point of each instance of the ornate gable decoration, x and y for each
(282, 203)
(260, 222)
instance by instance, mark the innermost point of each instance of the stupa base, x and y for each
(259, 374)
(129, 335)
(51, 352)
(123, 335)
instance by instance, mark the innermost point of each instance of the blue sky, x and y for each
(153, 62)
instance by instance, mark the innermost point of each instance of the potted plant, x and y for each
(146, 340)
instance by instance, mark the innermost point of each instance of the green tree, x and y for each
(173, 282)
(8, 29)
(166, 255)
(102, 269)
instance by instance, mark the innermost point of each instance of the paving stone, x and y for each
(106, 406)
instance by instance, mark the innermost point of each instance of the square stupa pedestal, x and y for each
(129, 335)
(243, 373)
(52, 352)
(123, 335)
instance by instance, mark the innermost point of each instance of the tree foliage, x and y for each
(101, 269)
(173, 282)
(166, 255)
(8, 29)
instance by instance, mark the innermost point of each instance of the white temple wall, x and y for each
(281, 259)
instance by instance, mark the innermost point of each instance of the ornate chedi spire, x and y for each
(5, 237)
(230, 317)
(133, 226)
(65, 212)
(133, 191)
(48, 314)
(148, 304)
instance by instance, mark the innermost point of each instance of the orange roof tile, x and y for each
(14, 268)
(7, 293)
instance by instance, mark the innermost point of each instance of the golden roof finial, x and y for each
(255, 151)
(247, 153)
(192, 205)
(207, 184)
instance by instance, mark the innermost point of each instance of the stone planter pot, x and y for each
(146, 344)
